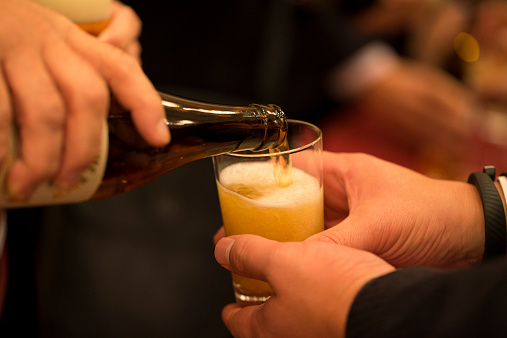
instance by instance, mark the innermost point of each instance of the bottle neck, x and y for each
(267, 124)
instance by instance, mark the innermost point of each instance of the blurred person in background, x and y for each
(465, 39)
(433, 32)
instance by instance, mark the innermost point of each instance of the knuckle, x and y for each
(41, 167)
(96, 98)
(126, 63)
(49, 115)
(238, 253)
(42, 114)
(327, 237)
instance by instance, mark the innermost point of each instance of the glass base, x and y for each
(250, 291)
(245, 300)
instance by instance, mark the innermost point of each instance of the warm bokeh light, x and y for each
(467, 47)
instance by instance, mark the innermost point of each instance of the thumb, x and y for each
(245, 255)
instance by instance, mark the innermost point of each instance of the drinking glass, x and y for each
(276, 194)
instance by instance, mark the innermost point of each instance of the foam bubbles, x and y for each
(256, 181)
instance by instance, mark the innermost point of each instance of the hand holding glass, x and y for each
(274, 194)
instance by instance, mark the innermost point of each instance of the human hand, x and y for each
(403, 217)
(424, 107)
(314, 285)
(123, 30)
(54, 82)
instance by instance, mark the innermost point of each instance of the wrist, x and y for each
(466, 237)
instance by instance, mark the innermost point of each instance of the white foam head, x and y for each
(260, 175)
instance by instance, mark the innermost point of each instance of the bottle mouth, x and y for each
(275, 126)
(281, 121)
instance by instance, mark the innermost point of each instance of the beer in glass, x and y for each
(254, 199)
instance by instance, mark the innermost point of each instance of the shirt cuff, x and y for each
(366, 68)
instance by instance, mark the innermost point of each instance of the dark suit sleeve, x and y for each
(425, 302)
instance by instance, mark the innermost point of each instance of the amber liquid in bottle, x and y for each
(198, 130)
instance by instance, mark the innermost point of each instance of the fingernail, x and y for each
(222, 251)
(163, 131)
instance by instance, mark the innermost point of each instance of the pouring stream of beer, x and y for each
(282, 165)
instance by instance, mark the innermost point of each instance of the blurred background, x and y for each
(141, 264)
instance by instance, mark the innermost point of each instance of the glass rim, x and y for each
(253, 154)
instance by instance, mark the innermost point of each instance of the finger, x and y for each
(124, 26)
(219, 235)
(246, 255)
(128, 83)
(242, 322)
(87, 99)
(40, 113)
(134, 50)
(5, 118)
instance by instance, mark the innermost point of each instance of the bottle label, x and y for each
(46, 193)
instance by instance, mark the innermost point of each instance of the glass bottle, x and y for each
(198, 130)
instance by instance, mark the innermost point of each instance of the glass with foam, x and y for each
(91, 15)
(275, 194)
